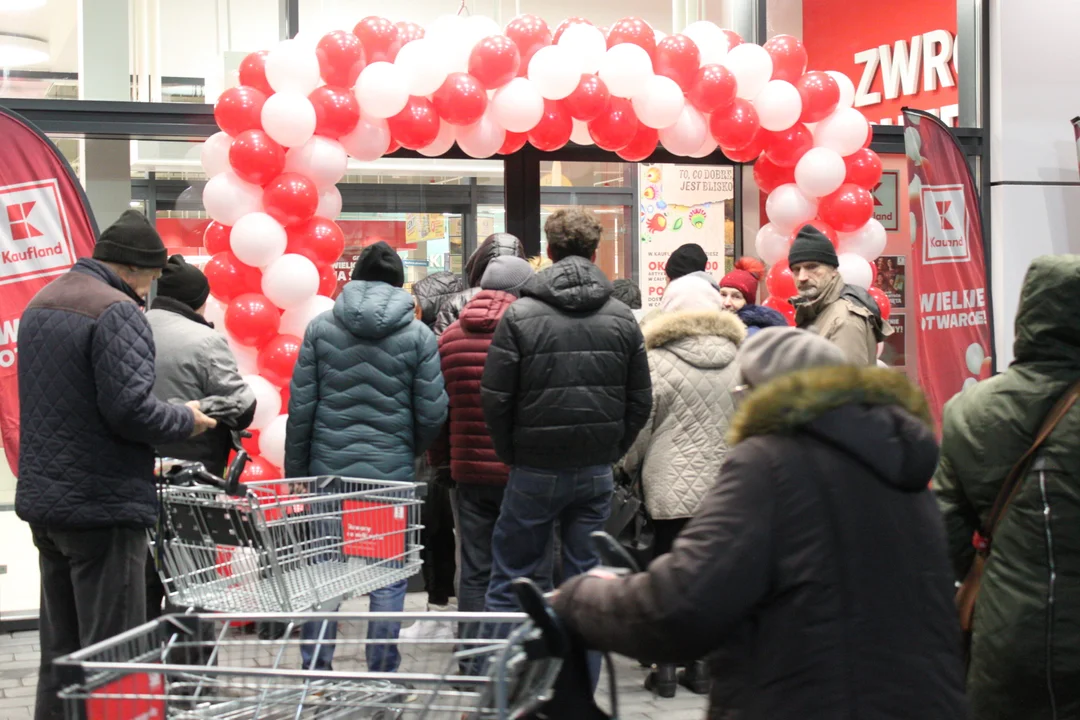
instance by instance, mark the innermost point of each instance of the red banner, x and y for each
(948, 269)
(45, 225)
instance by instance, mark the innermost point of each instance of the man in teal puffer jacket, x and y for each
(366, 398)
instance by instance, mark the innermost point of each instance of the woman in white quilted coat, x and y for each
(691, 346)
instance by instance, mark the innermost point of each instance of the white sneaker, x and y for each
(429, 629)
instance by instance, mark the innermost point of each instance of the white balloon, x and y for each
(422, 66)
(659, 102)
(847, 89)
(483, 138)
(752, 67)
(580, 133)
(478, 27)
(329, 203)
(288, 118)
(712, 42)
(819, 172)
(688, 133)
(587, 43)
(382, 89)
(442, 142)
(215, 154)
(272, 440)
(708, 147)
(290, 281)
(974, 356)
(555, 71)
(247, 358)
(968, 382)
(258, 239)
(369, 140)
(294, 321)
(788, 208)
(624, 68)
(856, 270)
(517, 106)
(778, 105)
(214, 312)
(320, 159)
(449, 35)
(867, 242)
(292, 67)
(267, 401)
(771, 245)
(844, 131)
(227, 198)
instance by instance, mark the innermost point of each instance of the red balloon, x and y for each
(734, 127)
(513, 142)
(820, 95)
(255, 157)
(678, 58)
(882, 300)
(780, 281)
(529, 33)
(253, 72)
(461, 100)
(616, 127)
(290, 198)
(379, 37)
(216, 237)
(713, 88)
(259, 469)
(863, 168)
(239, 109)
(733, 38)
(286, 393)
(319, 240)
(553, 130)
(561, 28)
(327, 280)
(228, 277)
(251, 444)
(341, 58)
(394, 147)
(769, 176)
(847, 209)
(783, 307)
(408, 31)
(252, 319)
(751, 152)
(786, 147)
(417, 125)
(494, 61)
(336, 110)
(278, 357)
(825, 228)
(634, 31)
(788, 57)
(589, 99)
(642, 146)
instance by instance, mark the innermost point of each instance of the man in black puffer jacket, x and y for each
(565, 391)
(493, 246)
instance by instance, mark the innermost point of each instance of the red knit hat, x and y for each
(744, 277)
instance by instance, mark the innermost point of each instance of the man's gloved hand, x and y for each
(202, 422)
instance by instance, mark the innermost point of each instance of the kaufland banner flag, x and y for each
(45, 225)
(947, 269)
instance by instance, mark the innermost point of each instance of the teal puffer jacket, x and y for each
(367, 394)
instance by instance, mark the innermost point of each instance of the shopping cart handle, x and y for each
(612, 553)
(533, 603)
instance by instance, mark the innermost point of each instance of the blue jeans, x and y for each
(380, 657)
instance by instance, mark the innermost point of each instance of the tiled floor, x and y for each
(19, 660)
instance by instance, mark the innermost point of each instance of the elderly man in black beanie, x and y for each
(89, 424)
(843, 314)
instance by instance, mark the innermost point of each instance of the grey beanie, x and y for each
(775, 351)
(506, 272)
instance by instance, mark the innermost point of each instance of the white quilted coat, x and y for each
(681, 448)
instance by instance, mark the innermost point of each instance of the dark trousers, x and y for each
(93, 586)
(439, 550)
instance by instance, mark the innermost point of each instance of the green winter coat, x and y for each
(1026, 647)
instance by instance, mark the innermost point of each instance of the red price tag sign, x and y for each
(115, 700)
(374, 530)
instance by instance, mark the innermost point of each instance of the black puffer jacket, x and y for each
(492, 247)
(433, 291)
(566, 383)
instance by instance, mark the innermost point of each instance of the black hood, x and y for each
(492, 247)
(432, 292)
(573, 284)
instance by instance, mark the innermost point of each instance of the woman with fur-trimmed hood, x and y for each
(817, 563)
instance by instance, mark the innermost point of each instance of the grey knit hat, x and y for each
(775, 351)
(506, 272)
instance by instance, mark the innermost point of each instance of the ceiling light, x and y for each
(22, 50)
(20, 5)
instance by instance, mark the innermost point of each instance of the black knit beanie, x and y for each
(811, 245)
(184, 282)
(131, 240)
(686, 259)
(379, 263)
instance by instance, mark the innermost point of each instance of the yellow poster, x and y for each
(420, 227)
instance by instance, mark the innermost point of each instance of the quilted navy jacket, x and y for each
(367, 395)
(88, 416)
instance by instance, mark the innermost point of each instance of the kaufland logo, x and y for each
(35, 240)
(944, 225)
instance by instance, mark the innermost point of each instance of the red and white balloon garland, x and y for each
(308, 104)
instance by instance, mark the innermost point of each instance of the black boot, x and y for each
(661, 681)
(696, 678)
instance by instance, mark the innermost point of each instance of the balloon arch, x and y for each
(307, 105)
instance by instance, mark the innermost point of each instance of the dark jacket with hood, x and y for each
(88, 416)
(846, 316)
(492, 247)
(821, 547)
(1025, 653)
(433, 291)
(566, 383)
(367, 395)
(756, 317)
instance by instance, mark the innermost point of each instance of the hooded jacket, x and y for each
(492, 247)
(566, 383)
(1025, 652)
(367, 395)
(756, 317)
(434, 290)
(681, 448)
(819, 545)
(846, 316)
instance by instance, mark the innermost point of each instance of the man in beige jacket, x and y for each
(843, 314)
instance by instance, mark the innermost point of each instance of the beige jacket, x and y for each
(847, 317)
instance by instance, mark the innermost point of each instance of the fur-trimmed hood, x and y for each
(702, 338)
(874, 415)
